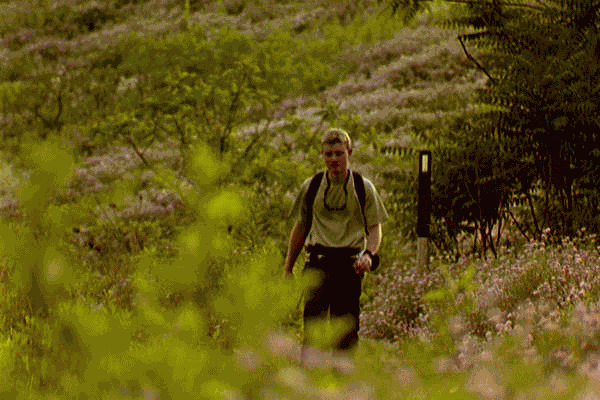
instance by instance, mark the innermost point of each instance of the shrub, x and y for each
(62, 21)
(118, 4)
(18, 39)
(12, 19)
(234, 7)
(94, 18)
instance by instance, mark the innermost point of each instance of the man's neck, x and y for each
(338, 178)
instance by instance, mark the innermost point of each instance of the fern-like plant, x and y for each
(541, 61)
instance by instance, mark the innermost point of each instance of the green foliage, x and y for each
(472, 183)
(457, 292)
(537, 92)
(234, 7)
(452, 303)
(62, 21)
(526, 285)
(216, 84)
(123, 3)
(297, 64)
(68, 346)
(147, 97)
(255, 283)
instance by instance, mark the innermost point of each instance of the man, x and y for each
(339, 248)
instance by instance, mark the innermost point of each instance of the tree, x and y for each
(540, 104)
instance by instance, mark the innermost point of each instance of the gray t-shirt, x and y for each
(337, 218)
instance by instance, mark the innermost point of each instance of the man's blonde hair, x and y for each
(337, 135)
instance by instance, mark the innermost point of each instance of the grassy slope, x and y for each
(409, 72)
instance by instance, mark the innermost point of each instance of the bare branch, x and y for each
(56, 121)
(504, 4)
(36, 112)
(520, 227)
(228, 125)
(181, 132)
(137, 151)
(470, 57)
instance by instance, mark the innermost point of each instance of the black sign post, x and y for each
(424, 207)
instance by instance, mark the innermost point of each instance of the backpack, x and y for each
(313, 187)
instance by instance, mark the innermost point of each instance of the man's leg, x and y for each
(316, 307)
(345, 303)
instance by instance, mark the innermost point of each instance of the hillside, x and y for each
(394, 79)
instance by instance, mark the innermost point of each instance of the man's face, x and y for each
(336, 158)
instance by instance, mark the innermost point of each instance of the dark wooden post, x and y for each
(424, 208)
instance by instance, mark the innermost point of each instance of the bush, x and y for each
(234, 7)
(18, 39)
(61, 21)
(94, 18)
(118, 4)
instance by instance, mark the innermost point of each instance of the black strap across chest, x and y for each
(313, 187)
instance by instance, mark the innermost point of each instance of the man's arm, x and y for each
(364, 263)
(374, 238)
(297, 238)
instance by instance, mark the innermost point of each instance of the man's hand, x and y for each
(363, 263)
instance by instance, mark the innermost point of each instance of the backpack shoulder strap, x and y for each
(359, 186)
(311, 193)
(313, 187)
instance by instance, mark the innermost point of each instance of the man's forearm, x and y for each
(374, 238)
(297, 239)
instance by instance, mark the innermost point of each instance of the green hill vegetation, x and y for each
(150, 153)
